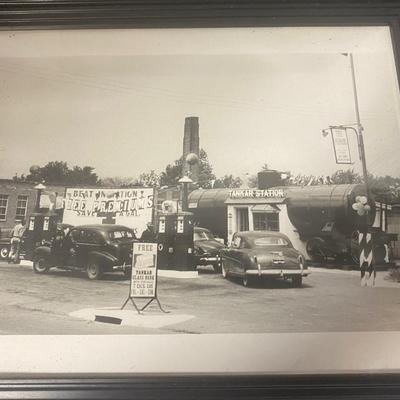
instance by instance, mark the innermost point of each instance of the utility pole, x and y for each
(365, 238)
(360, 129)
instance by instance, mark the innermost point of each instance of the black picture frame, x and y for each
(111, 14)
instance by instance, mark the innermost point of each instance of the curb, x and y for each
(167, 273)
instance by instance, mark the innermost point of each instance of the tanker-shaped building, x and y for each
(319, 220)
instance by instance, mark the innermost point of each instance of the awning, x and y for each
(267, 208)
(380, 205)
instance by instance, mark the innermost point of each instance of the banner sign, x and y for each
(256, 193)
(144, 270)
(341, 145)
(129, 207)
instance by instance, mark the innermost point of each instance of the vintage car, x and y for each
(93, 248)
(5, 243)
(258, 254)
(206, 248)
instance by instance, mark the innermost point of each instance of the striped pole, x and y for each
(365, 242)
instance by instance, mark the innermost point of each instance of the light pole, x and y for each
(40, 187)
(360, 129)
(365, 240)
(185, 181)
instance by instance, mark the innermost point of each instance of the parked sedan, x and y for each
(258, 254)
(92, 248)
(5, 246)
(206, 248)
(5, 243)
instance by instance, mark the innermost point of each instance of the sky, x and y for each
(117, 99)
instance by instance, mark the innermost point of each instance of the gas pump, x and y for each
(41, 227)
(175, 241)
(165, 240)
(183, 254)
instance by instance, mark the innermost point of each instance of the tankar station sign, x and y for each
(256, 193)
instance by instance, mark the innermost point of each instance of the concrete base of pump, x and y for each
(170, 273)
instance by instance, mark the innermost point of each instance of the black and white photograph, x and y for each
(240, 185)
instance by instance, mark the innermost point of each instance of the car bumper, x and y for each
(121, 267)
(277, 272)
(205, 260)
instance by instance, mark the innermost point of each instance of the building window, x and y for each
(3, 206)
(266, 221)
(22, 203)
(243, 219)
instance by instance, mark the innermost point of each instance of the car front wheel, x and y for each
(39, 265)
(94, 270)
(4, 252)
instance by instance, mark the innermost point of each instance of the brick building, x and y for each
(19, 199)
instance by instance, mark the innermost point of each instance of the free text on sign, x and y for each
(144, 270)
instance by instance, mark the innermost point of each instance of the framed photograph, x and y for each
(199, 198)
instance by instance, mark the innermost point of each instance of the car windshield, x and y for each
(120, 234)
(266, 241)
(203, 235)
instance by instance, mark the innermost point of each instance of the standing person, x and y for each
(149, 235)
(16, 237)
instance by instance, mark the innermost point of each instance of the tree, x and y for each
(206, 175)
(173, 172)
(252, 181)
(119, 181)
(385, 188)
(83, 175)
(54, 171)
(59, 172)
(228, 181)
(21, 178)
(346, 177)
(150, 179)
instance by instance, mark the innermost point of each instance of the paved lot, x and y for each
(329, 301)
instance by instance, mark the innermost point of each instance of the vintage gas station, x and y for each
(325, 222)
(322, 221)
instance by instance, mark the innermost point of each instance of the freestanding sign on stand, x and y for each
(144, 276)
